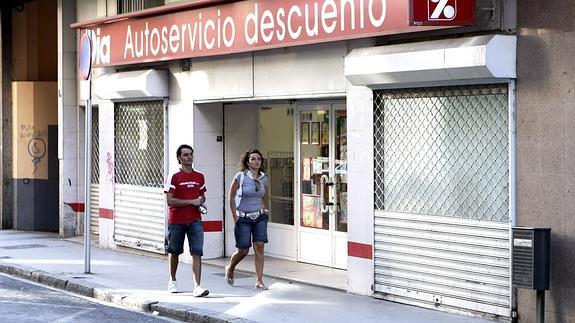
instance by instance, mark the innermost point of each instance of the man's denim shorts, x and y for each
(177, 233)
(247, 230)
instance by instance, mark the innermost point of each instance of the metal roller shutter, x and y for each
(139, 201)
(139, 217)
(95, 208)
(441, 198)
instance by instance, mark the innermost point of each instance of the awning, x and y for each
(135, 84)
(481, 58)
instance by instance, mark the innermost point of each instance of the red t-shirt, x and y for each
(185, 186)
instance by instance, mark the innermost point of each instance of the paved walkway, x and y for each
(139, 281)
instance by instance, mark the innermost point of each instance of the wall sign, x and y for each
(442, 12)
(245, 26)
(85, 54)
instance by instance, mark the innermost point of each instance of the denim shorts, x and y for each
(247, 230)
(195, 233)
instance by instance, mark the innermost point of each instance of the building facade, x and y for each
(402, 154)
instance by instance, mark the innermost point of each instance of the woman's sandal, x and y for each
(229, 280)
(261, 287)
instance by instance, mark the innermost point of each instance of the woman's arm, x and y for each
(265, 198)
(231, 198)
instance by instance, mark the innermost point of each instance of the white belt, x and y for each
(251, 215)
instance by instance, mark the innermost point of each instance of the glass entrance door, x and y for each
(322, 230)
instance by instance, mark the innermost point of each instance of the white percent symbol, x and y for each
(442, 7)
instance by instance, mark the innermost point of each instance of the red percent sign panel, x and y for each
(442, 12)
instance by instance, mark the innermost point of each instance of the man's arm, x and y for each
(172, 201)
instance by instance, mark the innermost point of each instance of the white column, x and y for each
(360, 265)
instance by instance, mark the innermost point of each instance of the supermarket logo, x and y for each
(441, 10)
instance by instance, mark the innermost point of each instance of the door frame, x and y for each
(337, 240)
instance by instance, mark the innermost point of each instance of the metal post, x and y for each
(540, 307)
(87, 177)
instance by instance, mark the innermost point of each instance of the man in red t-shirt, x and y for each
(185, 194)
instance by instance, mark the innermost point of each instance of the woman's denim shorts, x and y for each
(195, 233)
(247, 230)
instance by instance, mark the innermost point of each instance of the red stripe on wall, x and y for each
(213, 226)
(77, 207)
(359, 250)
(106, 213)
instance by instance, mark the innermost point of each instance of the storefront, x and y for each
(393, 162)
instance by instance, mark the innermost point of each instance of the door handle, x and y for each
(331, 185)
(323, 182)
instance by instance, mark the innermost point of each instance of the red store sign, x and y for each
(245, 26)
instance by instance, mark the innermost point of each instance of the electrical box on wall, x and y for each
(531, 257)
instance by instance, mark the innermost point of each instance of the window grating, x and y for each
(139, 143)
(125, 6)
(442, 151)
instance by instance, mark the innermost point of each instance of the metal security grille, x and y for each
(139, 201)
(125, 6)
(441, 198)
(139, 143)
(95, 174)
(443, 151)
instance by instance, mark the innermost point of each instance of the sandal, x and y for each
(229, 280)
(261, 287)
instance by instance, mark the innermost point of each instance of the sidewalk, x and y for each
(140, 282)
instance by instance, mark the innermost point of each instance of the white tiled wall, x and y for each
(68, 119)
(208, 158)
(241, 134)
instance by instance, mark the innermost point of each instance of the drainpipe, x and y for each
(512, 185)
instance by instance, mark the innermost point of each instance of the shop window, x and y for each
(276, 137)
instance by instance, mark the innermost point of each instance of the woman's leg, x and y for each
(235, 260)
(242, 233)
(259, 251)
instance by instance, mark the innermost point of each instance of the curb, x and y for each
(103, 293)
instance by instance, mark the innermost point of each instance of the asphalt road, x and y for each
(23, 301)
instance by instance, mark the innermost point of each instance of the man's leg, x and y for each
(196, 242)
(197, 269)
(173, 265)
(176, 236)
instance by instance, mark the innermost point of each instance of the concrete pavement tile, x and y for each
(80, 288)
(175, 311)
(139, 281)
(109, 295)
(138, 303)
(208, 316)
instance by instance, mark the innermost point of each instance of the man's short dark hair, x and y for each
(179, 151)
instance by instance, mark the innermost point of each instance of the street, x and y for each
(22, 301)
